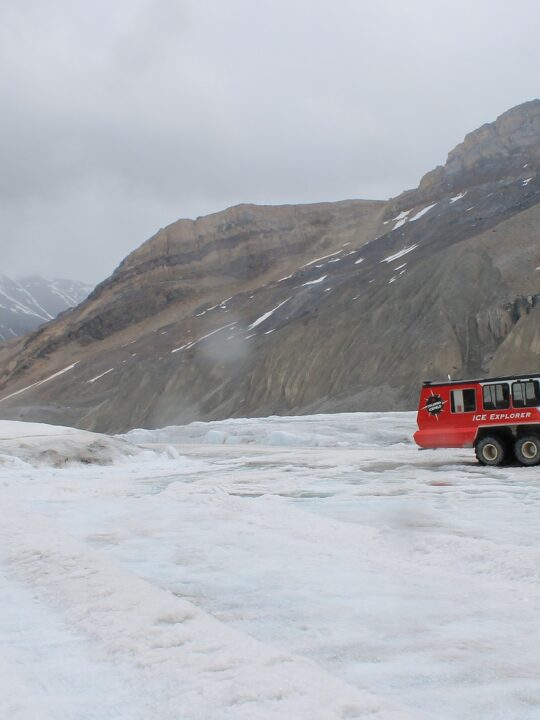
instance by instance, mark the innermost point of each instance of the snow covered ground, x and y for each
(295, 568)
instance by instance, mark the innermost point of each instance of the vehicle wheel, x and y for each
(490, 451)
(527, 450)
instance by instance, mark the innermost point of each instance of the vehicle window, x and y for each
(526, 394)
(463, 400)
(496, 397)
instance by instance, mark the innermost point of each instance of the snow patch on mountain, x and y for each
(400, 253)
(266, 315)
(315, 282)
(40, 382)
(26, 303)
(422, 212)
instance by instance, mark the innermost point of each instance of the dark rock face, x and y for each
(329, 307)
(512, 140)
(507, 147)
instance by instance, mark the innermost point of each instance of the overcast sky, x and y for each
(117, 118)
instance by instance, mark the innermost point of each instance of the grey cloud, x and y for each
(120, 118)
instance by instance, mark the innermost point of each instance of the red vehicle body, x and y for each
(498, 417)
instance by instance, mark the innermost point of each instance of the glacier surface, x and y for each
(305, 568)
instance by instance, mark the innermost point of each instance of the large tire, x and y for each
(490, 450)
(527, 450)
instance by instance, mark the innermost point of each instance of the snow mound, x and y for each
(341, 430)
(39, 444)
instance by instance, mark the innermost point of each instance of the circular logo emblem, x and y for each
(434, 404)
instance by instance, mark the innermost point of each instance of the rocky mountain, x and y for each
(327, 307)
(28, 302)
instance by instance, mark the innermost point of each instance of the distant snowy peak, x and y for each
(26, 303)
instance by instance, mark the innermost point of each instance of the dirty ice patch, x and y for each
(45, 445)
(266, 315)
(315, 282)
(41, 382)
(400, 253)
(457, 197)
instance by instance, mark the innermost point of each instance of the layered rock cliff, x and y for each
(337, 306)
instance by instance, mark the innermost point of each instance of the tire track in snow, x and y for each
(209, 669)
